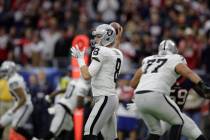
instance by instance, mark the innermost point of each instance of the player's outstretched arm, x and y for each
(135, 80)
(200, 87)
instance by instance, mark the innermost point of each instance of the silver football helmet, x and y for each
(167, 47)
(106, 33)
(7, 69)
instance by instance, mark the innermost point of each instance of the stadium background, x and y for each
(37, 35)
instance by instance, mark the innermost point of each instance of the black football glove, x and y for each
(202, 89)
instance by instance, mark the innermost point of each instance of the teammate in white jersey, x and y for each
(153, 82)
(103, 72)
(65, 106)
(22, 109)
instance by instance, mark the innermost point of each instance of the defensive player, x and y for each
(153, 82)
(22, 109)
(103, 72)
(65, 106)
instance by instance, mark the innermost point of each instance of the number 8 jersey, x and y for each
(159, 68)
(108, 61)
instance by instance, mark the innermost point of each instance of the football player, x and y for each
(64, 108)
(22, 109)
(153, 82)
(103, 72)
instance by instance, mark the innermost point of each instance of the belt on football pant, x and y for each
(143, 91)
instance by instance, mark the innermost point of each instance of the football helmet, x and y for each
(106, 33)
(167, 47)
(7, 69)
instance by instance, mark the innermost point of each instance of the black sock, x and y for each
(201, 137)
(90, 137)
(175, 132)
(153, 137)
(1, 132)
(49, 136)
(24, 132)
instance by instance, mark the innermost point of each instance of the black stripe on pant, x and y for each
(98, 114)
(59, 127)
(175, 133)
(24, 112)
(174, 108)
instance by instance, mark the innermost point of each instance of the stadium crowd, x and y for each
(38, 34)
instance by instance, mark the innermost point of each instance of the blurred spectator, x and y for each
(108, 9)
(62, 46)
(127, 118)
(34, 50)
(44, 84)
(190, 49)
(129, 50)
(50, 36)
(206, 55)
(5, 45)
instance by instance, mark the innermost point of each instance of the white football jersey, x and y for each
(75, 88)
(104, 82)
(17, 81)
(159, 73)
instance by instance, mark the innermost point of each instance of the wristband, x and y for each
(81, 62)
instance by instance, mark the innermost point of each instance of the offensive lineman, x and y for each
(153, 82)
(22, 109)
(64, 108)
(103, 72)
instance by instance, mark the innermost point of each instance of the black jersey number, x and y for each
(69, 92)
(95, 51)
(158, 62)
(117, 69)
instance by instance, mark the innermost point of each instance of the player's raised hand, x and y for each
(76, 52)
(119, 31)
(79, 54)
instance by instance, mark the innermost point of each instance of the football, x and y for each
(116, 26)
